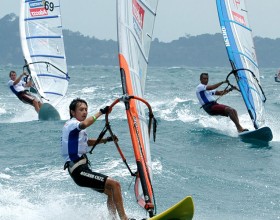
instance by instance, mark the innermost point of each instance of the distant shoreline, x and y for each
(206, 50)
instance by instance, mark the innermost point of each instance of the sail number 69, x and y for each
(49, 5)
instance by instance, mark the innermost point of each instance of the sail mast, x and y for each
(135, 28)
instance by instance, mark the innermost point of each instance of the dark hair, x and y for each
(74, 103)
(12, 71)
(203, 74)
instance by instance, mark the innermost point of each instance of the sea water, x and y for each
(194, 154)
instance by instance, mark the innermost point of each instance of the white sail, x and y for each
(237, 34)
(135, 28)
(43, 48)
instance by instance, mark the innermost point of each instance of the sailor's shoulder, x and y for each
(201, 87)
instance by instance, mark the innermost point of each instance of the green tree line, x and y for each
(206, 50)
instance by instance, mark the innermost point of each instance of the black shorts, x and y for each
(26, 97)
(85, 177)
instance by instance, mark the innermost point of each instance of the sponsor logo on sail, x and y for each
(236, 3)
(138, 19)
(239, 18)
(138, 13)
(224, 32)
(36, 12)
(36, 4)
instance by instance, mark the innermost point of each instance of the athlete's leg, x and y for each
(114, 202)
(232, 113)
(30, 99)
(36, 105)
(85, 177)
(110, 203)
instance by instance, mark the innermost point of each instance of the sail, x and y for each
(135, 23)
(43, 48)
(240, 48)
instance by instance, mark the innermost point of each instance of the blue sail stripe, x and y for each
(51, 37)
(43, 17)
(237, 23)
(49, 56)
(27, 1)
(50, 75)
(53, 93)
(256, 65)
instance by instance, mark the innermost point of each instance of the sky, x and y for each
(175, 18)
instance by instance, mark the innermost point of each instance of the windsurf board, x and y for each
(262, 134)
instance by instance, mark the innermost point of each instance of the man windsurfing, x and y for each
(205, 92)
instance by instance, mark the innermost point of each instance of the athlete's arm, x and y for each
(92, 142)
(89, 121)
(18, 79)
(222, 92)
(215, 86)
(28, 84)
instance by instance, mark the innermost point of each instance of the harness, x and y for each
(72, 165)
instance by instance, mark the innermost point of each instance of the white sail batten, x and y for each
(43, 48)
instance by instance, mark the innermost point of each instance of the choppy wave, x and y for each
(194, 154)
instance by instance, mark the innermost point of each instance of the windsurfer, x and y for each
(17, 85)
(74, 146)
(277, 75)
(205, 94)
